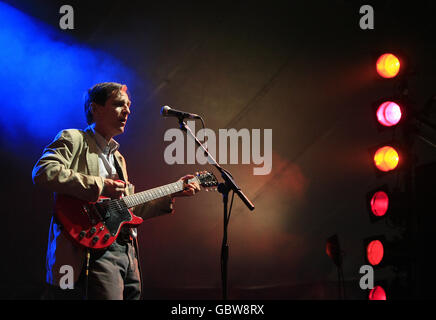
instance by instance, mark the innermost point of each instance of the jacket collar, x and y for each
(92, 154)
(93, 151)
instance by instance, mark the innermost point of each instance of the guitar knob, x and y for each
(82, 234)
(93, 230)
(106, 237)
(95, 239)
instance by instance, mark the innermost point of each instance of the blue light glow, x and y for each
(43, 79)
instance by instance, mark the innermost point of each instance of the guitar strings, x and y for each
(114, 204)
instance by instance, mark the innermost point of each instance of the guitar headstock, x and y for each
(207, 180)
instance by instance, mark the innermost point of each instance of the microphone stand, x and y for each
(224, 189)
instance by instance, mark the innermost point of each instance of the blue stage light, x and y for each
(43, 75)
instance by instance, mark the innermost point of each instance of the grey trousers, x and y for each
(113, 275)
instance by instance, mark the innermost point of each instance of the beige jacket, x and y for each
(69, 165)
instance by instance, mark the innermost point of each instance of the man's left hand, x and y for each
(189, 188)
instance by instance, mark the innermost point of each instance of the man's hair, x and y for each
(99, 94)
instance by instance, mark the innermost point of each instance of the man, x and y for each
(86, 164)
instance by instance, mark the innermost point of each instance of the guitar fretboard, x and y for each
(152, 194)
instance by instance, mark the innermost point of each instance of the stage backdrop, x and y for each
(303, 71)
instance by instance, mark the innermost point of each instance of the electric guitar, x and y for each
(96, 225)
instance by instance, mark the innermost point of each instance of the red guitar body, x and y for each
(93, 225)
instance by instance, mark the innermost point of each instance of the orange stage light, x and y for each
(386, 158)
(388, 65)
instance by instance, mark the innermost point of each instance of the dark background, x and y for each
(301, 68)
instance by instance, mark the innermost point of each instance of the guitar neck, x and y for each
(152, 194)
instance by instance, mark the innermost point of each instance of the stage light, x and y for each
(389, 114)
(386, 158)
(333, 250)
(43, 67)
(377, 293)
(388, 65)
(374, 252)
(379, 203)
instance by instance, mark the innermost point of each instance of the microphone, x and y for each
(169, 112)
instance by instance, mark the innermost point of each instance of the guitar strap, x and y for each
(118, 168)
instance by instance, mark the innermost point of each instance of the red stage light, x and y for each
(379, 203)
(389, 113)
(386, 158)
(377, 293)
(374, 252)
(388, 65)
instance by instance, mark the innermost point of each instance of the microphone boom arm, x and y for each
(229, 181)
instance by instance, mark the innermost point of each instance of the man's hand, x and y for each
(113, 189)
(189, 188)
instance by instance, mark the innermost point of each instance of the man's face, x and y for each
(111, 118)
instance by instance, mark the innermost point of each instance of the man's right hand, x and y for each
(113, 189)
